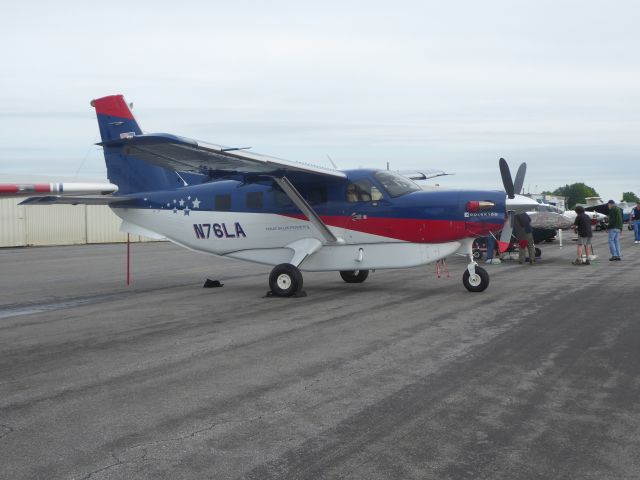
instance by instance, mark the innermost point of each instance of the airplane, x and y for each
(549, 217)
(603, 209)
(294, 216)
(597, 218)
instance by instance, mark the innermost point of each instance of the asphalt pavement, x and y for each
(406, 376)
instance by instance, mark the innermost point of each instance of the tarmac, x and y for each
(406, 376)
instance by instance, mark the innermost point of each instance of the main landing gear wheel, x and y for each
(354, 276)
(285, 280)
(477, 282)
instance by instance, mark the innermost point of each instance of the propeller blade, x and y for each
(505, 236)
(519, 181)
(506, 178)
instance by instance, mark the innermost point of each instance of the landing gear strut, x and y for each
(285, 280)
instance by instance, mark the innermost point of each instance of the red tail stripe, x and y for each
(113, 105)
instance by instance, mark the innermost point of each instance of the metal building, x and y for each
(58, 225)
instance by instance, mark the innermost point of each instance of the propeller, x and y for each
(519, 181)
(505, 236)
(511, 188)
(506, 178)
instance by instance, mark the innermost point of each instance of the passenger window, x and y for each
(223, 202)
(254, 200)
(280, 199)
(314, 195)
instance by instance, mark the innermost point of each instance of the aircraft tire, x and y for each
(354, 276)
(285, 280)
(478, 283)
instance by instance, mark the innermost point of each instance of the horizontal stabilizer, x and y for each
(73, 200)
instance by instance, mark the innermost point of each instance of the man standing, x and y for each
(524, 234)
(634, 219)
(615, 229)
(583, 225)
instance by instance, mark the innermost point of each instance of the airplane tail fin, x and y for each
(130, 174)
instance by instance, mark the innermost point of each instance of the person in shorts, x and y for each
(582, 225)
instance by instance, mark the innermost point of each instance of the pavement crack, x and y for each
(117, 463)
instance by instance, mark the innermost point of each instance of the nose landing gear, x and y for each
(477, 281)
(474, 278)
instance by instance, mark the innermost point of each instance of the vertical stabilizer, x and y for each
(123, 169)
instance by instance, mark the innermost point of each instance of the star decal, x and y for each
(175, 210)
(189, 197)
(196, 203)
(168, 204)
(181, 202)
(186, 211)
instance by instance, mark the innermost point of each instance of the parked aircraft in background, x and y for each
(597, 219)
(548, 217)
(603, 209)
(298, 217)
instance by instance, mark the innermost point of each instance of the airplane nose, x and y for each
(483, 217)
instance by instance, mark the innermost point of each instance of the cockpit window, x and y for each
(363, 191)
(395, 185)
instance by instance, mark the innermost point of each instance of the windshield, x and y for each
(394, 184)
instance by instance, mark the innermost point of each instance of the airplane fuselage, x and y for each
(374, 228)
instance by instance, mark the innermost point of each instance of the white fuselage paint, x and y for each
(263, 238)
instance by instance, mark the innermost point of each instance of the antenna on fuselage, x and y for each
(332, 162)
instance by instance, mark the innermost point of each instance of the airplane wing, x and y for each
(187, 155)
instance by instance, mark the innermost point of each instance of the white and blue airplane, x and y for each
(297, 217)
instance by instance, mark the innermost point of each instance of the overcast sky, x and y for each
(420, 84)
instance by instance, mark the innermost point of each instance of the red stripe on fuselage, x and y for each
(410, 229)
(113, 105)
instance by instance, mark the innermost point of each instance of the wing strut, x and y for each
(293, 194)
